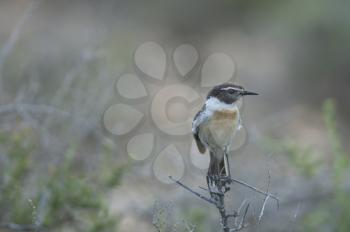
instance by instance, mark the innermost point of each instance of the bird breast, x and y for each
(223, 126)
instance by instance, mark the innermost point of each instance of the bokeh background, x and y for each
(61, 170)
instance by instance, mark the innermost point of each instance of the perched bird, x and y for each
(215, 125)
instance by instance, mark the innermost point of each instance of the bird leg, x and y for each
(227, 164)
(209, 182)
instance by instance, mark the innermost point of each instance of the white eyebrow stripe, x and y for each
(227, 88)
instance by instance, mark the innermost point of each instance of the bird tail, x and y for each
(217, 166)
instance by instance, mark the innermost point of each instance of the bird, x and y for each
(215, 125)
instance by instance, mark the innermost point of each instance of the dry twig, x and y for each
(218, 186)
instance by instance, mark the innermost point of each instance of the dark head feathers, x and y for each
(227, 92)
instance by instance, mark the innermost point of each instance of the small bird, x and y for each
(215, 125)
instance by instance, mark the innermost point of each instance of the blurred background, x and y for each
(62, 170)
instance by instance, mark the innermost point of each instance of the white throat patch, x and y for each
(214, 104)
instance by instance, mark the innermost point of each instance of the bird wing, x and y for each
(199, 119)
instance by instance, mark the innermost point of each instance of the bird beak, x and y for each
(244, 93)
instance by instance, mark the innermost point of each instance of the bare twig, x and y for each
(263, 208)
(266, 198)
(218, 186)
(192, 191)
(239, 210)
(218, 200)
(242, 224)
(296, 213)
(257, 190)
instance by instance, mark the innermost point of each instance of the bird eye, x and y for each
(231, 91)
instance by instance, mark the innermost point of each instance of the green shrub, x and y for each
(61, 196)
(334, 212)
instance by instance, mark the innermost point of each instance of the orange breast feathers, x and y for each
(226, 115)
(223, 126)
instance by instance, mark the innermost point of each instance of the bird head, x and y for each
(229, 93)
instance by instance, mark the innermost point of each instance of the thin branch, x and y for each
(297, 211)
(257, 190)
(239, 211)
(192, 191)
(266, 198)
(242, 224)
(263, 208)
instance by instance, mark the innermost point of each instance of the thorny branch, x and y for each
(218, 186)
